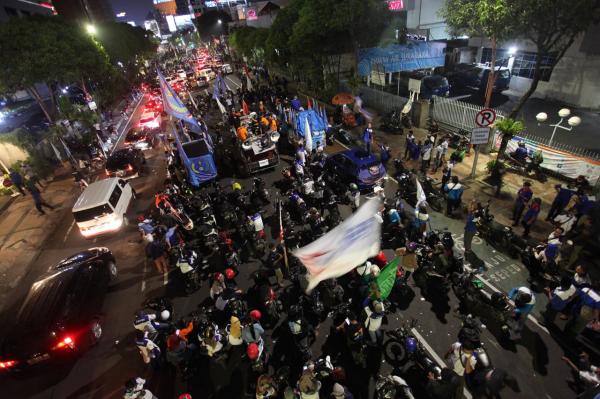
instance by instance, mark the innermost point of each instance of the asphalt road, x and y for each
(100, 373)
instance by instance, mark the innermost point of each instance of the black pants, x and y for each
(41, 203)
(518, 211)
(526, 227)
(451, 206)
(555, 209)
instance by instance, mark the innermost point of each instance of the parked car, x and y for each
(475, 76)
(356, 166)
(208, 73)
(61, 315)
(150, 119)
(140, 138)
(126, 163)
(102, 207)
(227, 69)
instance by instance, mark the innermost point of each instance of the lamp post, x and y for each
(564, 113)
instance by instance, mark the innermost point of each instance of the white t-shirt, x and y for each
(590, 377)
(372, 323)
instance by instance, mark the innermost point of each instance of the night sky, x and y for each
(136, 10)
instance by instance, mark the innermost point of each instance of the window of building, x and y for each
(524, 63)
(11, 12)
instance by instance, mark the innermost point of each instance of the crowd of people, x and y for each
(267, 332)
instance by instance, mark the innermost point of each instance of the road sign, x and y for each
(485, 117)
(480, 135)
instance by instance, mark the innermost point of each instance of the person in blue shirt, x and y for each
(470, 229)
(368, 138)
(523, 197)
(563, 195)
(17, 180)
(531, 216)
(454, 191)
(524, 303)
(384, 154)
(521, 153)
(296, 104)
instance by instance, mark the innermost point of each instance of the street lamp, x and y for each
(91, 29)
(573, 121)
(219, 22)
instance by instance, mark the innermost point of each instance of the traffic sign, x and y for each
(485, 117)
(480, 135)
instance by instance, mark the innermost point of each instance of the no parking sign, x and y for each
(485, 117)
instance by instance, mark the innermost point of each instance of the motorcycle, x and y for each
(530, 167)
(189, 265)
(404, 349)
(260, 187)
(408, 190)
(389, 387)
(470, 335)
(541, 274)
(392, 123)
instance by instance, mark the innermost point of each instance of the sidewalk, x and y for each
(23, 231)
(500, 207)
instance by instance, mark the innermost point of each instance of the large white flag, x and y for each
(308, 144)
(421, 197)
(348, 245)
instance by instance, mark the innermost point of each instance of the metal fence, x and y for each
(582, 152)
(454, 115)
(380, 100)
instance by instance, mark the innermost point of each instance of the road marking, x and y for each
(127, 124)
(493, 288)
(232, 81)
(435, 356)
(69, 230)
(144, 274)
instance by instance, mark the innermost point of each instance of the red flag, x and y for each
(308, 103)
(245, 108)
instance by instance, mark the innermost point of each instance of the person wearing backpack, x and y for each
(454, 191)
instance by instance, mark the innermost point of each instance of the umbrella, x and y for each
(342, 98)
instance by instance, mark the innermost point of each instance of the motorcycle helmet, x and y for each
(236, 186)
(165, 314)
(410, 344)
(255, 315)
(252, 351)
(353, 187)
(218, 276)
(411, 246)
(229, 274)
(184, 396)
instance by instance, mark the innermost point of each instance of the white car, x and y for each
(227, 69)
(102, 206)
(207, 73)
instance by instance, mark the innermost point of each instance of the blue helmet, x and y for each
(410, 344)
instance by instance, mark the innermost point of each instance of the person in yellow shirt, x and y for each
(242, 133)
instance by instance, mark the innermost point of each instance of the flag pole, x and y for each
(282, 239)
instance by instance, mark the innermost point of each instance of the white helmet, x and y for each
(165, 314)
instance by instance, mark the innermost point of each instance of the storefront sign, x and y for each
(396, 5)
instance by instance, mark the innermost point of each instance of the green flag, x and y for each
(387, 278)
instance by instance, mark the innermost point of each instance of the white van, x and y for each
(102, 206)
(227, 69)
(207, 73)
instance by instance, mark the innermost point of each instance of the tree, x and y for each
(493, 19)
(508, 127)
(553, 26)
(49, 50)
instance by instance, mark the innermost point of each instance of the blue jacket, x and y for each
(563, 196)
(454, 191)
(470, 226)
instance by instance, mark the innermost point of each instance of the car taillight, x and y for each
(129, 167)
(67, 342)
(5, 365)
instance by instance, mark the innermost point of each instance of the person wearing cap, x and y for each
(524, 303)
(252, 331)
(375, 312)
(563, 195)
(341, 392)
(524, 195)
